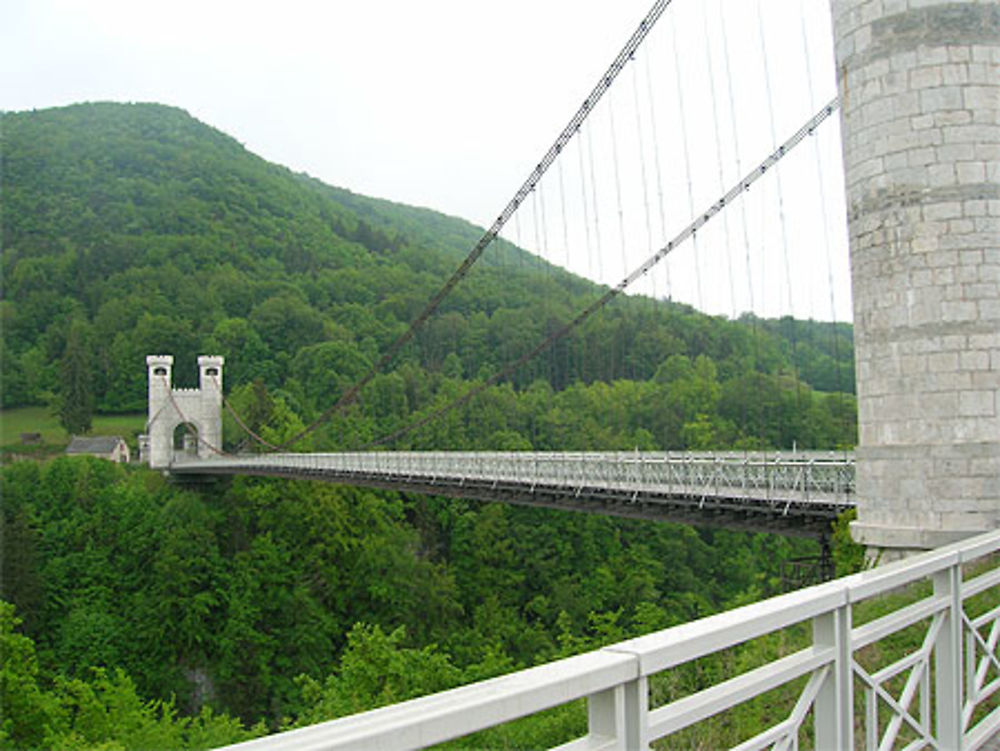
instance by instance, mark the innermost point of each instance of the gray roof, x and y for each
(100, 444)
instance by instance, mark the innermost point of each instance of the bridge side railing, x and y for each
(941, 693)
(803, 476)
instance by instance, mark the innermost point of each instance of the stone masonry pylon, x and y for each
(920, 93)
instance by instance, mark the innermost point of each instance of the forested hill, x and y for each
(131, 229)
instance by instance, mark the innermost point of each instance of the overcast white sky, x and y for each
(440, 103)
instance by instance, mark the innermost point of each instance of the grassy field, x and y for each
(13, 422)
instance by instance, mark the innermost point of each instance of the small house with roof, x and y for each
(110, 447)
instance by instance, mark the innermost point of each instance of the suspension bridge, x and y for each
(792, 493)
(918, 86)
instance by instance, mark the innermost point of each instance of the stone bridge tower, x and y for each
(920, 92)
(199, 409)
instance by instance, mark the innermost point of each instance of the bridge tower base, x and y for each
(920, 94)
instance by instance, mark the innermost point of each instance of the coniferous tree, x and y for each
(76, 396)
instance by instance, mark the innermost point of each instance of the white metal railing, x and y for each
(946, 706)
(800, 476)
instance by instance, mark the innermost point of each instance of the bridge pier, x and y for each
(920, 96)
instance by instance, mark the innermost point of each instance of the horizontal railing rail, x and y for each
(956, 714)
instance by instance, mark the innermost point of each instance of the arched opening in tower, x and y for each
(185, 440)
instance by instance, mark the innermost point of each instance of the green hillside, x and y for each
(135, 229)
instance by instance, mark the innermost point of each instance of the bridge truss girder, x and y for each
(709, 507)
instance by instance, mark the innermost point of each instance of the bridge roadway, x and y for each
(796, 493)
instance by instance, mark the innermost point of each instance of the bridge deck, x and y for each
(798, 494)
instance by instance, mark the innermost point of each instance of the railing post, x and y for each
(636, 696)
(606, 716)
(834, 706)
(948, 661)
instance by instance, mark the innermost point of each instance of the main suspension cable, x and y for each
(689, 231)
(564, 137)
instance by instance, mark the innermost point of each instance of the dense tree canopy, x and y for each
(268, 600)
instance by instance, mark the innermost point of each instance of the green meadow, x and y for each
(18, 420)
